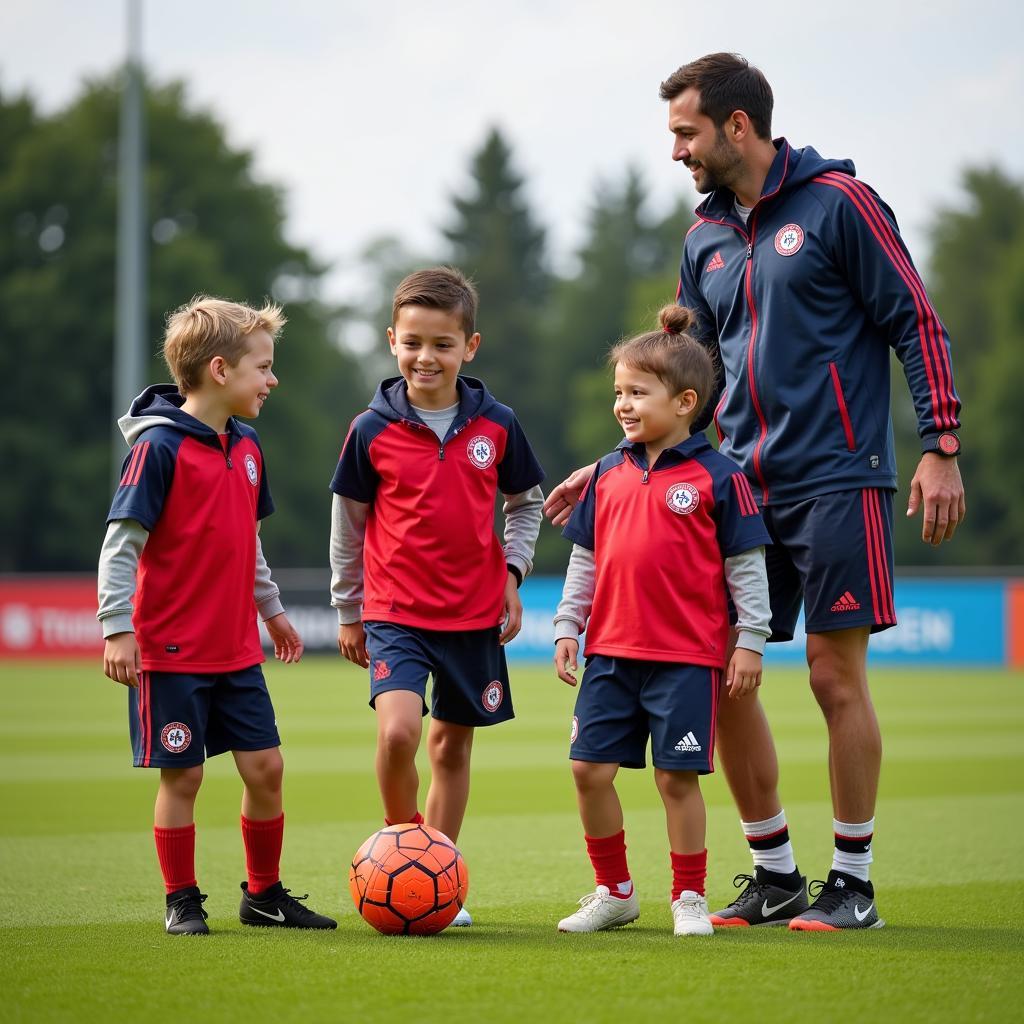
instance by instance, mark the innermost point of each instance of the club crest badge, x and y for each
(492, 696)
(251, 471)
(789, 239)
(481, 451)
(176, 737)
(682, 498)
(575, 730)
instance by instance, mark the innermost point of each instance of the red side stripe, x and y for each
(887, 593)
(131, 465)
(716, 685)
(744, 495)
(942, 365)
(144, 718)
(929, 332)
(870, 546)
(718, 409)
(137, 475)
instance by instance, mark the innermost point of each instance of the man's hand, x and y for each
(288, 645)
(561, 501)
(352, 644)
(122, 660)
(743, 675)
(566, 651)
(513, 613)
(937, 485)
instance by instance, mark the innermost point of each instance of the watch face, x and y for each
(949, 444)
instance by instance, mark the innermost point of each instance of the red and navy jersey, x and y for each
(660, 537)
(431, 558)
(200, 496)
(804, 303)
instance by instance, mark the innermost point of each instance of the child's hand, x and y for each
(566, 650)
(352, 644)
(288, 645)
(122, 660)
(744, 673)
(513, 615)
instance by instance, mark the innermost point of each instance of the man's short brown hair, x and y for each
(726, 82)
(208, 327)
(445, 288)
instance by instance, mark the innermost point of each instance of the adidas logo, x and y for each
(716, 263)
(846, 603)
(688, 744)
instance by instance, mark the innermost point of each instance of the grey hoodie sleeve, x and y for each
(119, 562)
(267, 592)
(348, 531)
(747, 579)
(522, 524)
(577, 594)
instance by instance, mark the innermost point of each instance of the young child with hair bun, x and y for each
(668, 546)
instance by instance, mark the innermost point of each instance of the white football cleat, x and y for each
(600, 910)
(690, 914)
(461, 919)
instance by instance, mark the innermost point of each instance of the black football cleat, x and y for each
(185, 914)
(761, 903)
(277, 908)
(841, 902)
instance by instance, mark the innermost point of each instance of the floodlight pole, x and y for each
(130, 332)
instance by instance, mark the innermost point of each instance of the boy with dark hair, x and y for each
(181, 577)
(421, 583)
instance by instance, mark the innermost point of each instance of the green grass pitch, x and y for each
(81, 935)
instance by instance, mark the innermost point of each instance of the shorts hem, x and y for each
(245, 748)
(478, 724)
(605, 758)
(675, 766)
(850, 623)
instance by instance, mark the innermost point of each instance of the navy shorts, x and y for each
(833, 553)
(623, 701)
(178, 720)
(470, 675)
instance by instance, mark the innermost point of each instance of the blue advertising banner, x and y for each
(946, 621)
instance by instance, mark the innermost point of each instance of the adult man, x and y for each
(802, 284)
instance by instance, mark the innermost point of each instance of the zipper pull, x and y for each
(647, 473)
(750, 250)
(440, 453)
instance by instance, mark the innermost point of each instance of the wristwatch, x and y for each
(946, 443)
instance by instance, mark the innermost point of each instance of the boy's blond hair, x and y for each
(208, 327)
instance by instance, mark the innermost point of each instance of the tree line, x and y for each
(216, 228)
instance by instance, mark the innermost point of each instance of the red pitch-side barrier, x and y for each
(1015, 624)
(49, 617)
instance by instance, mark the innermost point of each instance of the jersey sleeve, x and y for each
(580, 528)
(146, 476)
(705, 330)
(883, 279)
(355, 476)
(519, 469)
(264, 502)
(738, 520)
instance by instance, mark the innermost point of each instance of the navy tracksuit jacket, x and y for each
(805, 301)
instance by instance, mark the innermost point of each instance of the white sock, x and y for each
(852, 854)
(769, 844)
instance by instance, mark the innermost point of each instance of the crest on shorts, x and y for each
(176, 737)
(789, 239)
(380, 670)
(251, 471)
(481, 451)
(682, 498)
(575, 730)
(492, 696)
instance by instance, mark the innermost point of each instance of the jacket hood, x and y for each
(790, 168)
(392, 400)
(160, 406)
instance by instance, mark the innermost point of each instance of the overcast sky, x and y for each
(367, 112)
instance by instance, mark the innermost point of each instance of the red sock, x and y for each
(689, 870)
(608, 856)
(176, 851)
(416, 819)
(262, 852)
